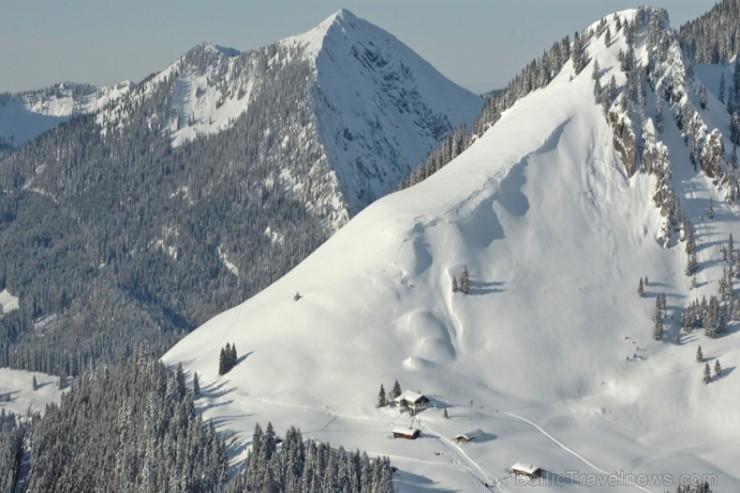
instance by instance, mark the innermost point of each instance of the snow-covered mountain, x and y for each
(27, 115)
(206, 182)
(579, 191)
(376, 108)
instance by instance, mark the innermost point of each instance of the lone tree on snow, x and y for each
(34, 383)
(699, 355)
(382, 399)
(227, 359)
(717, 369)
(455, 287)
(196, 385)
(641, 289)
(707, 373)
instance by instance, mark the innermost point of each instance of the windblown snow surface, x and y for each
(550, 355)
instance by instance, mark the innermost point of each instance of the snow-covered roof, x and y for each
(469, 435)
(406, 431)
(525, 468)
(409, 396)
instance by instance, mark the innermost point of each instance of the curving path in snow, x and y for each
(571, 451)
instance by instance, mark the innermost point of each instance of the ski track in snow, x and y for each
(571, 451)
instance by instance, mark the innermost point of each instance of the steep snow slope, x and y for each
(380, 107)
(551, 353)
(29, 114)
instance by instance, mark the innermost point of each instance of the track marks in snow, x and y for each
(571, 451)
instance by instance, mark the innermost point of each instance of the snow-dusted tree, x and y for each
(598, 91)
(711, 154)
(465, 281)
(722, 89)
(445, 415)
(597, 71)
(34, 383)
(717, 369)
(658, 319)
(382, 399)
(63, 380)
(710, 209)
(699, 355)
(641, 289)
(396, 391)
(703, 97)
(707, 373)
(455, 287)
(659, 114)
(608, 36)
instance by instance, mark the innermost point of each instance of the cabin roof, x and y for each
(409, 396)
(469, 435)
(525, 468)
(405, 431)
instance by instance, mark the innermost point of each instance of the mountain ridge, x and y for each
(553, 352)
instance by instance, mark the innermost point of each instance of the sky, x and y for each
(480, 44)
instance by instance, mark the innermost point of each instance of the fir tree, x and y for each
(396, 391)
(465, 281)
(703, 97)
(641, 289)
(196, 385)
(707, 373)
(455, 287)
(34, 383)
(445, 415)
(722, 89)
(63, 380)
(699, 355)
(222, 362)
(717, 369)
(710, 209)
(382, 399)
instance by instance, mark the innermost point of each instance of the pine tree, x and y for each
(34, 383)
(63, 380)
(659, 114)
(641, 289)
(717, 369)
(382, 400)
(710, 209)
(222, 362)
(445, 415)
(707, 373)
(597, 71)
(699, 355)
(722, 89)
(196, 385)
(465, 281)
(234, 357)
(703, 97)
(455, 287)
(608, 36)
(396, 391)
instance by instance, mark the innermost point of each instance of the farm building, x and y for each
(413, 401)
(407, 433)
(526, 470)
(468, 436)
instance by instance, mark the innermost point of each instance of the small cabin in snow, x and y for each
(413, 401)
(407, 433)
(468, 436)
(526, 470)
